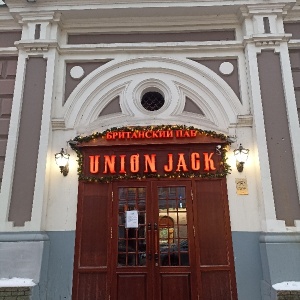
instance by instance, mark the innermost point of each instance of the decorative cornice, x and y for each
(151, 47)
(7, 22)
(9, 51)
(36, 45)
(58, 124)
(294, 44)
(266, 8)
(279, 9)
(152, 23)
(41, 16)
(267, 39)
(83, 11)
(243, 121)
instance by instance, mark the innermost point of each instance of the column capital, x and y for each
(263, 24)
(248, 11)
(267, 40)
(36, 46)
(36, 17)
(40, 31)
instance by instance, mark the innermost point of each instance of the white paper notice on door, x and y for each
(131, 219)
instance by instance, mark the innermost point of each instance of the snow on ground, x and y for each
(287, 286)
(16, 282)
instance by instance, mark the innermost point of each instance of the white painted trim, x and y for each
(291, 107)
(12, 142)
(41, 178)
(41, 182)
(150, 47)
(84, 99)
(263, 174)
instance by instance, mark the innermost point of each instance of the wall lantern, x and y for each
(62, 160)
(241, 155)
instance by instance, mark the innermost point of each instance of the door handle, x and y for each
(156, 242)
(149, 228)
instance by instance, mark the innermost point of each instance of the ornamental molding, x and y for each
(294, 44)
(82, 107)
(265, 9)
(58, 124)
(267, 39)
(162, 86)
(243, 121)
(195, 47)
(9, 51)
(36, 45)
(36, 16)
(150, 24)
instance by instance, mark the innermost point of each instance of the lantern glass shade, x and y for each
(62, 160)
(241, 156)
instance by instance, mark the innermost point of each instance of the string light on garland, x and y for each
(107, 179)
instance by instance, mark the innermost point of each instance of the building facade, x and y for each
(150, 99)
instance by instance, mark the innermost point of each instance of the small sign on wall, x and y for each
(241, 186)
(131, 219)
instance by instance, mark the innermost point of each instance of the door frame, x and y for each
(111, 234)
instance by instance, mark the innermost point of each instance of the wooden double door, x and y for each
(154, 240)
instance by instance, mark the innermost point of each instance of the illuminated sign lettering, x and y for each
(149, 163)
(151, 134)
(164, 151)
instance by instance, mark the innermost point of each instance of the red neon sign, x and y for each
(151, 134)
(149, 163)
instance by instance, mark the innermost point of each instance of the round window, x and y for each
(153, 101)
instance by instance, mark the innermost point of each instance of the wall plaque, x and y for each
(241, 186)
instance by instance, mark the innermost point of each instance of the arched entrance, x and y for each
(152, 177)
(153, 220)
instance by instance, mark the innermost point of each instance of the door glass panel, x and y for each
(173, 235)
(132, 241)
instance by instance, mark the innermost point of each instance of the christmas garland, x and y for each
(173, 175)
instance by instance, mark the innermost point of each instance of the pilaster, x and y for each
(40, 36)
(263, 30)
